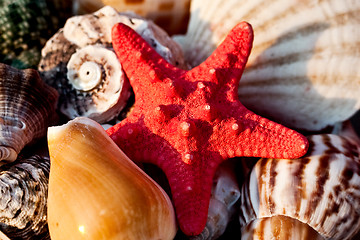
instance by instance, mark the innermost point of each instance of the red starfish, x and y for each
(188, 122)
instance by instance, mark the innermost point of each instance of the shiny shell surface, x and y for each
(104, 195)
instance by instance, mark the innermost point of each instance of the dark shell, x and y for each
(23, 196)
(27, 108)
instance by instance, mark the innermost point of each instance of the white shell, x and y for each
(224, 194)
(303, 69)
(84, 47)
(320, 189)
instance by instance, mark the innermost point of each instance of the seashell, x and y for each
(320, 190)
(104, 195)
(23, 187)
(26, 25)
(224, 194)
(302, 71)
(80, 63)
(171, 15)
(27, 108)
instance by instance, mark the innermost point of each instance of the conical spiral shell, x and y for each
(303, 69)
(320, 189)
(27, 108)
(84, 46)
(103, 194)
(23, 196)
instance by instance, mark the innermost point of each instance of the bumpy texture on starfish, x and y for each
(188, 122)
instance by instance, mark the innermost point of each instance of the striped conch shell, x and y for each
(80, 63)
(303, 69)
(319, 192)
(27, 108)
(171, 15)
(23, 196)
(96, 192)
(26, 25)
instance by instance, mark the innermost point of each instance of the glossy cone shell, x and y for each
(96, 192)
(303, 70)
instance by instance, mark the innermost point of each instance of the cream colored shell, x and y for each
(320, 189)
(303, 69)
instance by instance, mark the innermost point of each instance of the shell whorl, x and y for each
(23, 187)
(27, 108)
(321, 189)
(86, 41)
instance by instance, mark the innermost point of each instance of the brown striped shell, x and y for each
(80, 63)
(27, 108)
(23, 196)
(321, 189)
(303, 69)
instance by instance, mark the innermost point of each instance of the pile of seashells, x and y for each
(58, 65)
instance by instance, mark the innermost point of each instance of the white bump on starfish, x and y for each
(200, 85)
(185, 128)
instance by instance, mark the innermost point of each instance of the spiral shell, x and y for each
(303, 68)
(80, 63)
(26, 25)
(27, 108)
(322, 189)
(103, 193)
(23, 187)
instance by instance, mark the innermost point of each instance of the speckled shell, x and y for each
(224, 194)
(171, 15)
(27, 108)
(321, 189)
(103, 195)
(25, 26)
(303, 69)
(103, 102)
(23, 196)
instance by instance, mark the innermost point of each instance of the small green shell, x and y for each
(25, 26)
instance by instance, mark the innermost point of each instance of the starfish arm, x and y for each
(141, 63)
(227, 63)
(255, 136)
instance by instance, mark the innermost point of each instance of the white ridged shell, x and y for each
(81, 32)
(303, 69)
(321, 189)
